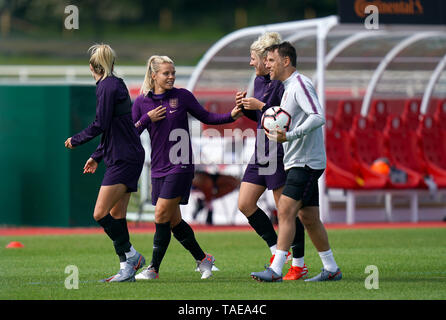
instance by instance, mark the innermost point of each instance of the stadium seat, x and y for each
(367, 145)
(344, 115)
(331, 105)
(411, 113)
(329, 122)
(343, 170)
(434, 153)
(403, 151)
(440, 114)
(224, 107)
(378, 114)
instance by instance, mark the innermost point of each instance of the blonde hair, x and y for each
(153, 66)
(264, 41)
(102, 59)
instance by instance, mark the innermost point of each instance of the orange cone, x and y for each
(15, 244)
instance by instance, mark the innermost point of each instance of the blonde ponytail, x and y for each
(264, 41)
(102, 59)
(153, 66)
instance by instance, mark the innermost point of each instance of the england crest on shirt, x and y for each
(173, 103)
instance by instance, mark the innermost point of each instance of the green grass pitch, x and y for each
(411, 265)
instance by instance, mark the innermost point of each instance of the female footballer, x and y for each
(163, 110)
(123, 155)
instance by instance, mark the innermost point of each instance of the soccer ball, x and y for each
(275, 118)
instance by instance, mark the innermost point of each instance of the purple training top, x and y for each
(178, 103)
(120, 140)
(270, 92)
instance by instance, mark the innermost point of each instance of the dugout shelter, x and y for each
(383, 92)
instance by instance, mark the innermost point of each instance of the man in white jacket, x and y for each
(304, 162)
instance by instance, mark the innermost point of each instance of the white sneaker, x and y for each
(147, 274)
(214, 268)
(127, 273)
(205, 266)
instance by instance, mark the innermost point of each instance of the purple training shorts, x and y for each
(272, 182)
(172, 186)
(123, 173)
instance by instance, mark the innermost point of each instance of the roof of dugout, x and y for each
(394, 60)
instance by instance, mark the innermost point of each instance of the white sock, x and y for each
(298, 262)
(328, 260)
(131, 253)
(279, 261)
(273, 249)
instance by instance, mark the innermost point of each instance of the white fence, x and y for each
(77, 74)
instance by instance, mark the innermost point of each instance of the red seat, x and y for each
(344, 115)
(434, 153)
(329, 123)
(343, 170)
(224, 107)
(378, 114)
(440, 114)
(368, 145)
(403, 150)
(411, 113)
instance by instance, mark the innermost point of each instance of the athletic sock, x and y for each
(161, 241)
(130, 253)
(185, 235)
(298, 245)
(118, 232)
(263, 226)
(298, 262)
(273, 249)
(122, 243)
(279, 261)
(328, 260)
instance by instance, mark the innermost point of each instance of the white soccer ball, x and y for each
(276, 118)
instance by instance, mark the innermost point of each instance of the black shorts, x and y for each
(301, 184)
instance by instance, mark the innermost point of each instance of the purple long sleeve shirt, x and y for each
(178, 103)
(120, 140)
(270, 92)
